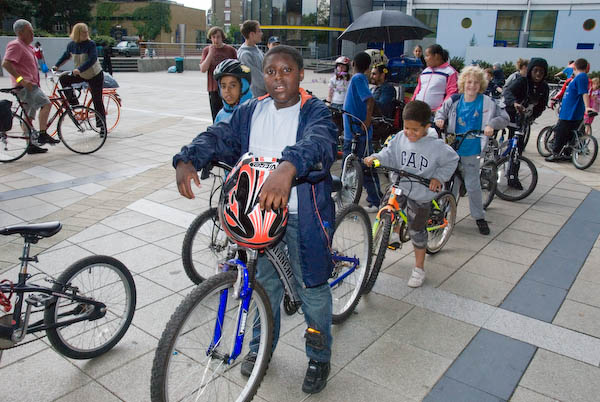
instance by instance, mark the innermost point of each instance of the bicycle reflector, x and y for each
(239, 210)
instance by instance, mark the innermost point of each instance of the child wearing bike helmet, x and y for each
(416, 152)
(338, 83)
(233, 79)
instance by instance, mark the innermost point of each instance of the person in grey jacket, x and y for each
(250, 55)
(415, 151)
(471, 110)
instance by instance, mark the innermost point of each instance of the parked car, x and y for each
(126, 48)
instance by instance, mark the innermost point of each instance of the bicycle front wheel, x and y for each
(352, 182)
(112, 110)
(82, 130)
(204, 245)
(351, 252)
(441, 221)
(381, 237)
(543, 141)
(193, 360)
(99, 278)
(517, 178)
(14, 142)
(488, 177)
(585, 151)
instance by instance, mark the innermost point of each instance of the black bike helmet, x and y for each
(234, 68)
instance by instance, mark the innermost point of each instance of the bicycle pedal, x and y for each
(39, 300)
(394, 246)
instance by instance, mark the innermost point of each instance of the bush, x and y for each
(458, 63)
(508, 68)
(104, 40)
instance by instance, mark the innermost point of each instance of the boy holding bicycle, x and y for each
(416, 152)
(289, 124)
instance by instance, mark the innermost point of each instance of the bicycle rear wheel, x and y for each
(521, 169)
(584, 152)
(545, 140)
(82, 130)
(352, 183)
(112, 110)
(381, 238)
(204, 245)
(351, 247)
(441, 221)
(488, 177)
(192, 359)
(100, 278)
(14, 142)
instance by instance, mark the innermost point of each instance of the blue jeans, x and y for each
(371, 179)
(316, 301)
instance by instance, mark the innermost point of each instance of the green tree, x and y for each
(68, 12)
(16, 8)
(152, 19)
(234, 35)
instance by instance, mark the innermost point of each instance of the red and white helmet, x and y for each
(342, 60)
(239, 210)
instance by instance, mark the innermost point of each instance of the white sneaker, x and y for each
(394, 242)
(416, 278)
(371, 209)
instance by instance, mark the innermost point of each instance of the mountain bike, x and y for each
(392, 216)
(582, 149)
(80, 129)
(204, 342)
(86, 310)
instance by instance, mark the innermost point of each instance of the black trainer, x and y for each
(553, 158)
(45, 138)
(483, 227)
(516, 184)
(248, 364)
(316, 377)
(32, 149)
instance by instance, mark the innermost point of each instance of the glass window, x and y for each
(466, 23)
(590, 24)
(279, 12)
(429, 18)
(227, 16)
(265, 12)
(293, 10)
(508, 27)
(541, 28)
(315, 12)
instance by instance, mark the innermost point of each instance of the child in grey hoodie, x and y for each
(416, 152)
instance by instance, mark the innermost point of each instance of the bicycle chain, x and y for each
(24, 343)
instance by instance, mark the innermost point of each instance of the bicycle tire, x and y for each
(352, 238)
(438, 238)
(526, 135)
(78, 130)
(14, 142)
(204, 246)
(184, 349)
(381, 238)
(76, 340)
(488, 178)
(542, 141)
(583, 149)
(352, 183)
(527, 178)
(112, 110)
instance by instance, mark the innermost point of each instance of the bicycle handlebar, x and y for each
(377, 164)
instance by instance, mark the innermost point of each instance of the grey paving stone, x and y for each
(546, 217)
(433, 332)
(391, 286)
(524, 238)
(570, 193)
(408, 370)
(127, 220)
(452, 257)
(448, 389)
(11, 356)
(170, 275)
(562, 201)
(584, 292)
(100, 394)
(477, 287)
(154, 231)
(55, 262)
(128, 387)
(163, 212)
(172, 243)
(144, 258)
(153, 317)
(112, 244)
(553, 208)
(554, 270)
(580, 317)
(538, 228)
(495, 268)
(523, 394)
(534, 299)
(562, 378)
(148, 291)
(492, 363)
(37, 368)
(436, 273)
(589, 271)
(511, 252)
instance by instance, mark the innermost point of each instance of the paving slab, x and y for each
(580, 317)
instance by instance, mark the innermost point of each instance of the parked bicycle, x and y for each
(80, 129)
(203, 345)
(392, 217)
(582, 149)
(86, 310)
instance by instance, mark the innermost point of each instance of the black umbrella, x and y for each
(385, 26)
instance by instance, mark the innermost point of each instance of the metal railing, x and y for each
(168, 50)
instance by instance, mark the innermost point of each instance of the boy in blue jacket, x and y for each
(289, 124)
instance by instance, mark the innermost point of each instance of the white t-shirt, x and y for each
(340, 87)
(271, 131)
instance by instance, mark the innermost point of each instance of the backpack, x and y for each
(6, 118)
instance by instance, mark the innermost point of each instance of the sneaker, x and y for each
(316, 376)
(372, 209)
(553, 158)
(416, 278)
(394, 242)
(516, 184)
(34, 149)
(44, 138)
(248, 364)
(484, 229)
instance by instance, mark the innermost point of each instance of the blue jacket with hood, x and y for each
(315, 142)
(227, 109)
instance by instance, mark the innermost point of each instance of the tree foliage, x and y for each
(151, 19)
(105, 10)
(49, 13)
(21, 8)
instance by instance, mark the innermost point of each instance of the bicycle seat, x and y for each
(47, 229)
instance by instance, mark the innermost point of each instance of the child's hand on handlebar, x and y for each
(369, 160)
(488, 131)
(435, 185)
(185, 172)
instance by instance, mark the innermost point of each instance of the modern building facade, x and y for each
(226, 13)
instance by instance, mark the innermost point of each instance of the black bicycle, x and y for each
(86, 310)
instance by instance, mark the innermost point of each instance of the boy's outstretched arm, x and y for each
(185, 172)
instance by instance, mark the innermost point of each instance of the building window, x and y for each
(227, 16)
(429, 18)
(541, 29)
(590, 24)
(508, 27)
(466, 23)
(227, 3)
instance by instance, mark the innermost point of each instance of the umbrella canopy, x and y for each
(385, 26)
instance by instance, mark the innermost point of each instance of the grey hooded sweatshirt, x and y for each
(428, 157)
(252, 56)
